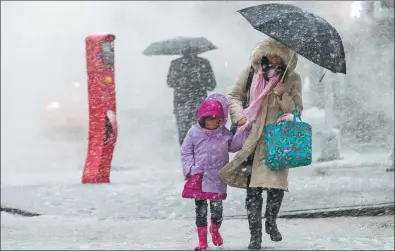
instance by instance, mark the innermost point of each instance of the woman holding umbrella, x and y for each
(284, 97)
(308, 35)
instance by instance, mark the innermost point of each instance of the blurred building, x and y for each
(363, 103)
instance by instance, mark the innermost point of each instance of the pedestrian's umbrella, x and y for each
(307, 34)
(180, 46)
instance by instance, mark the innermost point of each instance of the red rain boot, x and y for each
(202, 234)
(215, 235)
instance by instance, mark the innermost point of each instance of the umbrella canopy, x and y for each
(307, 34)
(180, 46)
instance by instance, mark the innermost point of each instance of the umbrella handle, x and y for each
(293, 54)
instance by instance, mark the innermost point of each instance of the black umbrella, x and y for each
(180, 46)
(307, 34)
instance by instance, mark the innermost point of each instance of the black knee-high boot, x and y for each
(254, 203)
(273, 204)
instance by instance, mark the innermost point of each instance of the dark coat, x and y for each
(190, 77)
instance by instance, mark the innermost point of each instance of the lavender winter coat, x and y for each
(198, 149)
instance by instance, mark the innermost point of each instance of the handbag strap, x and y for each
(246, 101)
(294, 113)
(248, 87)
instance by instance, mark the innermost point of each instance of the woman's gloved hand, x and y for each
(286, 103)
(279, 89)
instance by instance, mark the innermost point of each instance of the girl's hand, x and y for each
(279, 89)
(241, 122)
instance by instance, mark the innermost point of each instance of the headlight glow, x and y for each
(53, 106)
(356, 9)
(76, 84)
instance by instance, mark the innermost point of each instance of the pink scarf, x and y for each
(209, 132)
(262, 88)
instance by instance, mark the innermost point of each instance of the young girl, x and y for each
(204, 152)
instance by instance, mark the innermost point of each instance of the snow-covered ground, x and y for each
(153, 192)
(146, 184)
(56, 232)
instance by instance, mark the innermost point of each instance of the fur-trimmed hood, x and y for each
(273, 47)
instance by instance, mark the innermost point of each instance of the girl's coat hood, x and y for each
(273, 47)
(224, 102)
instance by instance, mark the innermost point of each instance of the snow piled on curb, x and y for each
(353, 159)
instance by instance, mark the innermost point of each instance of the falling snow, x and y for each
(45, 120)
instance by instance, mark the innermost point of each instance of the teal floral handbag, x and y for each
(288, 144)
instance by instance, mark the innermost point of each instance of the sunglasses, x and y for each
(267, 65)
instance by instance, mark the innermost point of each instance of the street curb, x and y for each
(343, 212)
(18, 212)
(351, 211)
(346, 165)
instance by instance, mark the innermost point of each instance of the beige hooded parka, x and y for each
(235, 173)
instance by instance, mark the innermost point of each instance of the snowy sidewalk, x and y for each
(149, 186)
(156, 194)
(55, 233)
